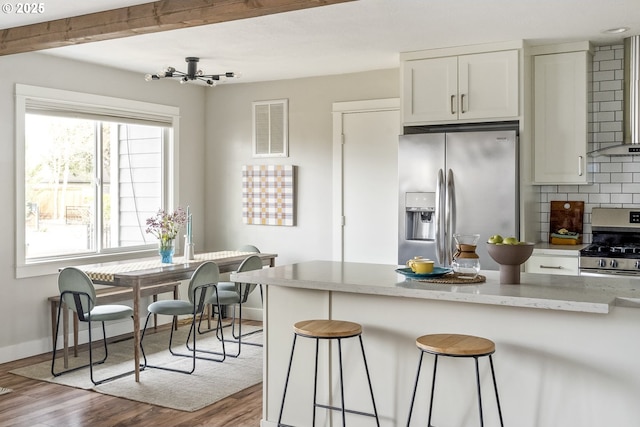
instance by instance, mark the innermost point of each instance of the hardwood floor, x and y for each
(38, 404)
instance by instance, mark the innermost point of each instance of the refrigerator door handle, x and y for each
(440, 219)
(451, 216)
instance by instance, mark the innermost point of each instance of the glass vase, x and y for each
(466, 262)
(166, 249)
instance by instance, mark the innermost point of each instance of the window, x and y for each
(91, 170)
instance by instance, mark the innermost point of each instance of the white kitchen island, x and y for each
(567, 348)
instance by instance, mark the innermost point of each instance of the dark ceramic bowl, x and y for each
(510, 257)
(510, 254)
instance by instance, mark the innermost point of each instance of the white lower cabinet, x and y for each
(547, 262)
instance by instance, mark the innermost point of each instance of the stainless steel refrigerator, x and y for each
(456, 181)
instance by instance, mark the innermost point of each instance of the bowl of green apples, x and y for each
(510, 253)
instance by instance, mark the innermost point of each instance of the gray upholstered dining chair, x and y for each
(202, 290)
(231, 286)
(236, 297)
(77, 293)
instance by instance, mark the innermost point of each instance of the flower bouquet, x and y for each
(165, 226)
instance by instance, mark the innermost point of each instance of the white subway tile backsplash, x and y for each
(610, 127)
(611, 106)
(609, 95)
(614, 65)
(599, 198)
(622, 198)
(610, 167)
(578, 197)
(611, 188)
(631, 167)
(631, 187)
(600, 76)
(609, 85)
(622, 177)
(601, 177)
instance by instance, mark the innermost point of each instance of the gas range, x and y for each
(616, 243)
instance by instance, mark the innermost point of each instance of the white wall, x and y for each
(228, 147)
(310, 149)
(24, 310)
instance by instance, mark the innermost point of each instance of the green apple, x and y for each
(510, 241)
(496, 238)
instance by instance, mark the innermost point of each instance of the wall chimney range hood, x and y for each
(631, 123)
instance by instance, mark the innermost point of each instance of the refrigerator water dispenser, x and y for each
(420, 211)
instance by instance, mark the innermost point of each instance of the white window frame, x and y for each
(26, 96)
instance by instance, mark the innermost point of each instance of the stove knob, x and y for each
(602, 263)
(613, 263)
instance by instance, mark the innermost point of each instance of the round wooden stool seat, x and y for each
(327, 328)
(456, 345)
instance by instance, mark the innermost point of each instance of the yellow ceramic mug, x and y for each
(420, 265)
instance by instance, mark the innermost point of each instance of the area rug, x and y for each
(211, 381)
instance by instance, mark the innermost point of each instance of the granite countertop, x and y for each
(538, 291)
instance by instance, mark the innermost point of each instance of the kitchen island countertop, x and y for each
(538, 291)
(566, 347)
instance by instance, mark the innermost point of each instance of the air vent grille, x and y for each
(270, 133)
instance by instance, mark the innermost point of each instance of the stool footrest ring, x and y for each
(350, 411)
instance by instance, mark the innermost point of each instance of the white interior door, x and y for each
(370, 185)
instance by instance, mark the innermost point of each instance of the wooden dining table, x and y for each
(136, 273)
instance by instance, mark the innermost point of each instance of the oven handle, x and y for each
(608, 273)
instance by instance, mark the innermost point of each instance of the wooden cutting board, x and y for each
(568, 215)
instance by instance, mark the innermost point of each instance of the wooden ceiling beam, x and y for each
(142, 19)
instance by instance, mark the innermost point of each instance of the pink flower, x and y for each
(165, 226)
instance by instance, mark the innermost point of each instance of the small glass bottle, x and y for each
(466, 263)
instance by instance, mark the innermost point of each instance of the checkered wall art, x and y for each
(268, 194)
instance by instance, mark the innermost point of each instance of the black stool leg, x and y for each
(366, 368)
(415, 388)
(344, 417)
(495, 387)
(315, 385)
(479, 392)
(286, 382)
(433, 388)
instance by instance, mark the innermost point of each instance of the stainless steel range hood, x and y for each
(631, 145)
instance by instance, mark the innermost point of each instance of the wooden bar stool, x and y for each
(329, 330)
(454, 345)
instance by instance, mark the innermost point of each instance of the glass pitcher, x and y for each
(466, 262)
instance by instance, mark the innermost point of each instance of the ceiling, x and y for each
(342, 38)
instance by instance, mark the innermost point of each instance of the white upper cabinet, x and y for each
(560, 117)
(482, 86)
